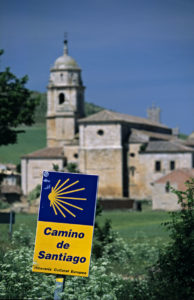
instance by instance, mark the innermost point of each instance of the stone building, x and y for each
(104, 149)
(121, 149)
(151, 159)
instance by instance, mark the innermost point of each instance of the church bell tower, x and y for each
(65, 100)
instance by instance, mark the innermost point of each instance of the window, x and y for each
(167, 187)
(172, 165)
(100, 132)
(157, 165)
(61, 76)
(75, 155)
(61, 98)
(64, 162)
(132, 170)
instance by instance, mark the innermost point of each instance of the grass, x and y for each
(130, 225)
(34, 138)
(145, 225)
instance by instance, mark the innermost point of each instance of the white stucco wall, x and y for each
(162, 200)
(32, 171)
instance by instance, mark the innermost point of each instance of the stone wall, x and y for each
(107, 164)
(101, 154)
(71, 154)
(60, 130)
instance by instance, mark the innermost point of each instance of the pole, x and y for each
(59, 286)
(10, 223)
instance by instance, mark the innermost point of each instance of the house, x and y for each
(150, 159)
(10, 190)
(162, 197)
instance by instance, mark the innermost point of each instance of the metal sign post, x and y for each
(59, 287)
(12, 215)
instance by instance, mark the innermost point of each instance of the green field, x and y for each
(32, 139)
(140, 226)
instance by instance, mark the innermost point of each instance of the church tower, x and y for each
(65, 100)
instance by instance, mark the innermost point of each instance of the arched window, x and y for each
(61, 98)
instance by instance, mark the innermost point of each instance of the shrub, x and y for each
(17, 280)
(72, 168)
(34, 194)
(100, 285)
(172, 276)
(3, 204)
(22, 237)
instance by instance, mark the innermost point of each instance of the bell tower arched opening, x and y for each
(61, 98)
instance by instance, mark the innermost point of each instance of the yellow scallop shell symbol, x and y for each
(58, 194)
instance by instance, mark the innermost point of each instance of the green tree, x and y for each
(17, 105)
(172, 278)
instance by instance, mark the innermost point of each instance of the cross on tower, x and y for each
(65, 37)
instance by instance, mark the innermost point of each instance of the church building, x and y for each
(127, 152)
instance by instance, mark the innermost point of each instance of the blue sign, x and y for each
(68, 198)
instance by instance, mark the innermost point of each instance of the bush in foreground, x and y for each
(172, 276)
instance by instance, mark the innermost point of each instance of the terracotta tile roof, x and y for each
(51, 152)
(110, 116)
(179, 176)
(167, 146)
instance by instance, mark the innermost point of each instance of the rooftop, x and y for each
(141, 136)
(65, 61)
(55, 152)
(167, 146)
(110, 116)
(179, 176)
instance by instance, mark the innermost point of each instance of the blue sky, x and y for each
(132, 53)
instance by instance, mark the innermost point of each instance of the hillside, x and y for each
(34, 137)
